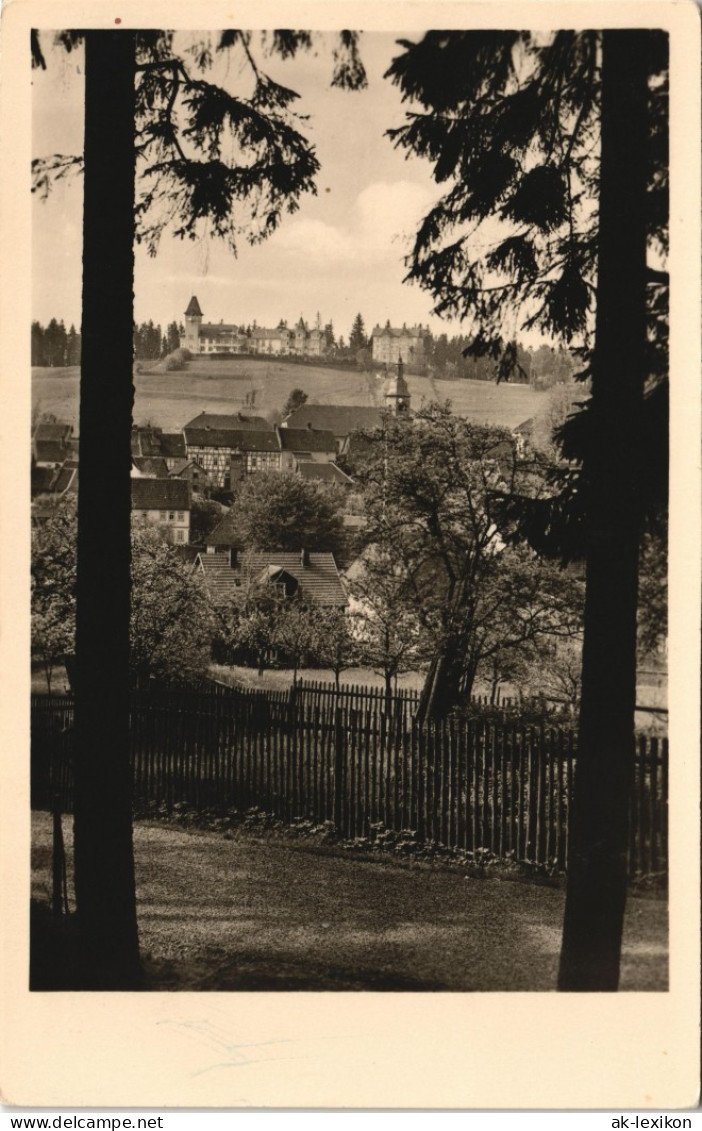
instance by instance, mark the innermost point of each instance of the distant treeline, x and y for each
(540, 367)
(150, 343)
(54, 345)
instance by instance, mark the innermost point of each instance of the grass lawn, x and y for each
(280, 679)
(172, 399)
(278, 912)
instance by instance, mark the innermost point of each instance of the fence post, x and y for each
(338, 768)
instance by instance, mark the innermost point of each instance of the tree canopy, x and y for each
(274, 511)
(171, 621)
(171, 624)
(432, 487)
(53, 581)
(511, 121)
(226, 158)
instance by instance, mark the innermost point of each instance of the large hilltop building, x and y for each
(227, 338)
(390, 345)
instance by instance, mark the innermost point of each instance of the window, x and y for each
(180, 535)
(162, 516)
(181, 516)
(171, 516)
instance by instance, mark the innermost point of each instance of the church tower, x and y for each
(397, 394)
(193, 320)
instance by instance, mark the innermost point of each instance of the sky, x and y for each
(340, 254)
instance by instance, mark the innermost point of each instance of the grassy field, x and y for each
(172, 399)
(268, 911)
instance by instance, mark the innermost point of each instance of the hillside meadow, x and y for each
(170, 400)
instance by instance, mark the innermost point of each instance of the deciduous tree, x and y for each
(53, 578)
(171, 620)
(383, 618)
(333, 644)
(276, 511)
(432, 487)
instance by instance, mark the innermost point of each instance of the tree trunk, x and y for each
(597, 864)
(104, 863)
(442, 690)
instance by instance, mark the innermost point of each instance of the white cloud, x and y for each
(315, 239)
(381, 223)
(390, 212)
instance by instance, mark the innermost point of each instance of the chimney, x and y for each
(304, 558)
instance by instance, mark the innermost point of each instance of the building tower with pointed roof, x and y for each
(397, 394)
(193, 321)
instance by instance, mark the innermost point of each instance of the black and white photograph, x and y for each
(349, 365)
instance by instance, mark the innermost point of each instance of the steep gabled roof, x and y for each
(214, 329)
(181, 465)
(53, 431)
(398, 332)
(193, 310)
(324, 472)
(153, 467)
(160, 494)
(318, 582)
(173, 445)
(42, 479)
(66, 480)
(146, 440)
(49, 451)
(211, 429)
(306, 440)
(255, 441)
(334, 418)
(224, 533)
(55, 480)
(221, 580)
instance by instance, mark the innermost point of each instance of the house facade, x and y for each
(164, 503)
(227, 451)
(309, 445)
(390, 345)
(212, 439)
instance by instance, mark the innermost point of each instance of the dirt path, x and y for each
(278, 913)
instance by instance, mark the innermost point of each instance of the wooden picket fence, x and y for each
(363, 766)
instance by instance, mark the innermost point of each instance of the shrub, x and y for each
(176, 361)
